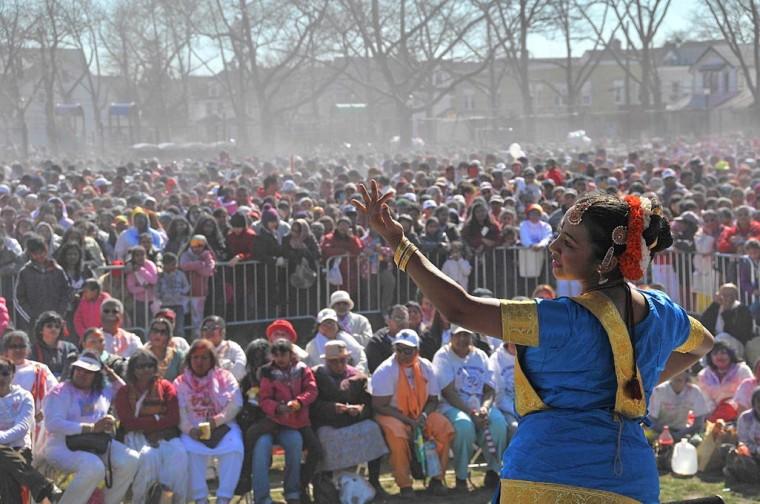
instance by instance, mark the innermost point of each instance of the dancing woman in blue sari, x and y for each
(586, 366)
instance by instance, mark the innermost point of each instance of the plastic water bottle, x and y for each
(666, 438)
(433, 465)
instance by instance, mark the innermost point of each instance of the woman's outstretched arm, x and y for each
(477, 314)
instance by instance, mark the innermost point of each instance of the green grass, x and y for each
(671, 488)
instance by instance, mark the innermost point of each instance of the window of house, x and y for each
(209, 108)
(726, 82)
(469, 102)
(618, 89)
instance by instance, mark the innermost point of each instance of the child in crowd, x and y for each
(287, 388)
(198, 262)
(456, 266)
(146, 241)
(671, 403)
(87, 313)
(172, 290)
(142, 276)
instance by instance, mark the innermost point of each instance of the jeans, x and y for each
(292, 443)
(467, 435)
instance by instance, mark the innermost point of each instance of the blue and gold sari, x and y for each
(580, 438)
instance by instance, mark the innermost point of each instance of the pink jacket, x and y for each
(87, 314)
(199, 269)
(141, 283)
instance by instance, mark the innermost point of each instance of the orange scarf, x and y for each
(411, 402)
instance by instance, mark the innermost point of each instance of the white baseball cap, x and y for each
(326, 314)
(407, 337)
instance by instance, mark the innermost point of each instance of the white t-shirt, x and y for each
(385, 378)
(469, 374)
(668, 408)
(503, 365)
(16, 418)
(123, 344)
(25, 373)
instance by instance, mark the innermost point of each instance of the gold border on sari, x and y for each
(622, 351)
(530, 492)
(519, 322)
(696, 336)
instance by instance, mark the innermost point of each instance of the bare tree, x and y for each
(83, 19)
(512, 22)
(263, 45)
(419, 51)
(18, 82)
(572, 27)
(149, 43)
(739, 24)
(641, 21)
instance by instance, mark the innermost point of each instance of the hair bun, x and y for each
(659, 230)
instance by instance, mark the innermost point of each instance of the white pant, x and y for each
(228, 469)
(166, 464)
(196, 313)
(90, 469)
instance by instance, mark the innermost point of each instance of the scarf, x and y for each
(411, 402)
(204, 397)
(148, 403)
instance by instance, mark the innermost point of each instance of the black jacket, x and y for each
(737, 321)
(331, 391)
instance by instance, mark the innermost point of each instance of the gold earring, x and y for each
(606, 262)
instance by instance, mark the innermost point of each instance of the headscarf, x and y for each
(298, 241)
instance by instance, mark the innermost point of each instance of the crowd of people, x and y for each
(118, 283)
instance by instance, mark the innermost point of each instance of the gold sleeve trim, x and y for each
(551, 493)
(527, 399)
(622, 351)
(696, 335)
(519, 322)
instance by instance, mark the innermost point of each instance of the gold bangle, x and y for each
(404, 253)
(405, 262)
(401, 249)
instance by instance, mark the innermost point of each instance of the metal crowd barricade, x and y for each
(260, 291)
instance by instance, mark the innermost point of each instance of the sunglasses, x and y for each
(5, 373)
(405, 349)
(16, 346)
(159, 331)
(147, 365)
(111, 312)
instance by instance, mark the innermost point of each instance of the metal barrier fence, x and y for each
(255, 291)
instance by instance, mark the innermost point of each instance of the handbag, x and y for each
(303, 277)
(98, 443)
(216, 436)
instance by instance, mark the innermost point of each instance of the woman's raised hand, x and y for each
(375, 207)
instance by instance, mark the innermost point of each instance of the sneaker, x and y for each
(437, 488)
(462, 486)
(491, 480)
(406, 493)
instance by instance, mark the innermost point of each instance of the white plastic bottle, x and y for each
(684, 461)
